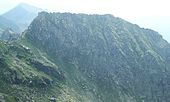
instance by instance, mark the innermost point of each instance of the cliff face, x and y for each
(107, 57)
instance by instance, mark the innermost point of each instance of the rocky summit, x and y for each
(65, 57)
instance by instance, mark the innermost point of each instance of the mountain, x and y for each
(64, 57)
(22, 15)
(5, 24)
(105, 58)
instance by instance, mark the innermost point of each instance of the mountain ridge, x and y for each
(105, 49)
(22, 15)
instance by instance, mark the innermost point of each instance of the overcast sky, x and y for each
(152, 14)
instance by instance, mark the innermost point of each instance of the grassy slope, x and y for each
(70, 91)
(20, 81)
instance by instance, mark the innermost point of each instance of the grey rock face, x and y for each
(120, 61)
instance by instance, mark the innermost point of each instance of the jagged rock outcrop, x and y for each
(9, 35)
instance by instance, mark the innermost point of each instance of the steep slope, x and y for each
(26, 77)
(22, 15)
(105, 59)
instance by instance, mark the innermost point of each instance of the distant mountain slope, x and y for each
(22, 15)
(5, 24)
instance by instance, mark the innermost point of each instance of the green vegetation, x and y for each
(23, 73)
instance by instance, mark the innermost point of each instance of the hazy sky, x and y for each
(123, 8)
(146, 13)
